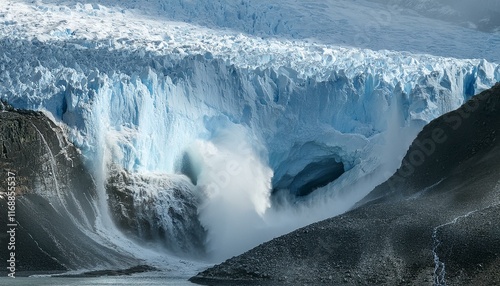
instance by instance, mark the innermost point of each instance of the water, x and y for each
(95, 281)
(440, 267)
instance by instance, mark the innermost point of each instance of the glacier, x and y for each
(250, 125)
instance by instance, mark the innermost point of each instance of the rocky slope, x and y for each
(433, 222)
(55, 199)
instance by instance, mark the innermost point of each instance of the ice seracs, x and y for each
(145, 93)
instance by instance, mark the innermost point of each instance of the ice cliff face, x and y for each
(146, 110)
(240, 116)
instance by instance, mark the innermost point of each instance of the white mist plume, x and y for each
(235, 182)
(236, 185)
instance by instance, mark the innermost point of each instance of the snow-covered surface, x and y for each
(163, 25)
(250, 92)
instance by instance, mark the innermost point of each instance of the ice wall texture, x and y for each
(146, 110)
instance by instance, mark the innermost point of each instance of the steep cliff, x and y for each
(55, 210)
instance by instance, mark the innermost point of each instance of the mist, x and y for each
(482, 15)
(238, 208)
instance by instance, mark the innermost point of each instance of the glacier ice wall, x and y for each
(149, 112)
(149, 107)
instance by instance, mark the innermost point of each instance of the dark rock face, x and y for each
(432, 222)
(55, 199)
(157, 209)
(446, 146)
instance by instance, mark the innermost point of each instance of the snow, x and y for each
(142, 86)
(166, 24)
